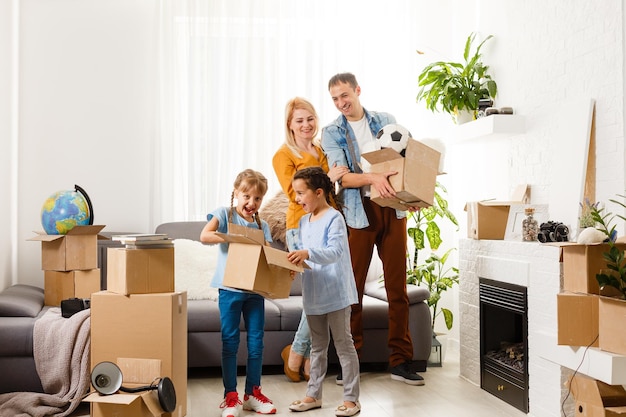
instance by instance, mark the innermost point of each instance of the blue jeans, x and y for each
(232, 306)
(302, 339)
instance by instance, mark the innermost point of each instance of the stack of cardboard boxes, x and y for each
(70, 264)
(142, 321)
(588, 316)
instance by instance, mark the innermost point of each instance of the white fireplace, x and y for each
(538, 268)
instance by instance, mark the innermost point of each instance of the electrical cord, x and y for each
(569, 386)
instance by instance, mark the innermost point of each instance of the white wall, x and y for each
(6, 166)
(86, 112)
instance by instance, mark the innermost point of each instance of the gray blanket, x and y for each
(61, 352)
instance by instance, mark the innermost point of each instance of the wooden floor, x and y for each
(445, 394)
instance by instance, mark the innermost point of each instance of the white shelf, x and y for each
(496, 126)
(595, 363)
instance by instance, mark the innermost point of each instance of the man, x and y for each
(370, 224)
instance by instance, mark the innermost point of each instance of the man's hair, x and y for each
(343, 78)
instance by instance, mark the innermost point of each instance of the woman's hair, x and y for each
(314, 178)
(247, 180)
(297, 103)
(343, 78)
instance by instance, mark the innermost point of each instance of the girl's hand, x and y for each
(298, 256)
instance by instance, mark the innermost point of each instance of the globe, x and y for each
(65, 209)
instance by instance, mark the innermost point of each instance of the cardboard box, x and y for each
(253, 266)
(577, 317)
(416, 178)
(597, 399)
(581, 263)
(135, 373)
(61, 285)
(143, 326)
(612, 313)
(78, 249)
(140, 271)
(487, 219)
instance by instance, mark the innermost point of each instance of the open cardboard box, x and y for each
(253, 266)
(596, 398)
(416, 178)
(78, 249)
(136, 373)
(487, 219)
(581, 263)
(612, 313)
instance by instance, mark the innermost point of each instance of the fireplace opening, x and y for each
(504, 341)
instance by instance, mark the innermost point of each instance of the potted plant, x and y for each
(615, 274)
(434, 273)
(453, 87)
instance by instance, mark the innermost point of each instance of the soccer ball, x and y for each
(394, 136)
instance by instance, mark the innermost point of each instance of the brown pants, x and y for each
(389, 234)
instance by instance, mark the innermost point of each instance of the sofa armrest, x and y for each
(416, 293)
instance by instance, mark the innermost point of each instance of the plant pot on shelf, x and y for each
(464, 116)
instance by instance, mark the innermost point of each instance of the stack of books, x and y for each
(145, 241)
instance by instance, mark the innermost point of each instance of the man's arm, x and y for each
(377, 180)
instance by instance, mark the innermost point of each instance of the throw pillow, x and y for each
(194, 266)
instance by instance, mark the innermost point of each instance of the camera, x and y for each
(71, 306)
(552, 232)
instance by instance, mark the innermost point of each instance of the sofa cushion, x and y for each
(204, 316)
(21, 301)
(416, 293)
(290, 311)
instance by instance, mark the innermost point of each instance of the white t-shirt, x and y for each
(367, 143)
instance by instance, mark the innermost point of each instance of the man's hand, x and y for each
(380, 181)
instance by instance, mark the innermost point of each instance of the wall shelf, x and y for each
(496, 126)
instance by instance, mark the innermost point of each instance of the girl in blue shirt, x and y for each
(328, 289)
(249, 189)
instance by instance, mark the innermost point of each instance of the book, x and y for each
(139, 237)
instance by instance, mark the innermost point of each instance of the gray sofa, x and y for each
(283, 315)
(20, 307)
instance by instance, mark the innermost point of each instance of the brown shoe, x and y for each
(291, 374)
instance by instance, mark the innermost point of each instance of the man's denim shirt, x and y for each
(335, 145)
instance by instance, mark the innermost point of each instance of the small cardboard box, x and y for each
(61, 285)
(416, 178)
(612, 313)
(140, 271)
(253, 266)
(577, 317)
(581, 263)
(143, 326)
(135, 373)
(597, 399)
(78, 249)
(487, 219)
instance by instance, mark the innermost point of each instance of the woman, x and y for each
(300, 150)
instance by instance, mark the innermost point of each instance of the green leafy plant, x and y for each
(434, 273)
(454, 86)
(586, 218)
(614, 258)
(437, 277)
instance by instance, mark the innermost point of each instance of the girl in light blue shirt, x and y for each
(328, 289)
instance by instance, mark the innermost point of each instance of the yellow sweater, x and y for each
(285, 165)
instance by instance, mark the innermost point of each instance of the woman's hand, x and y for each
(336, 172)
